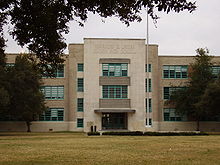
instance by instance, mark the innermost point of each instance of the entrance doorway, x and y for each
(114, 121)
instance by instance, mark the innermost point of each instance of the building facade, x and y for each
(106, 84)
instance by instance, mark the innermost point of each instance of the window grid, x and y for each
(10, 64)
(52, 114)
(149, 68)
(80, 67)
(80, 123)
(80, 85)
(149, 121)
(58, 73)
(150, 104)
(175, 71)
(167, 91)
(53, 92)
(149, 85)
(170, 115)
(115, 70)
(216, 71)
(115, 91)
(80, 104)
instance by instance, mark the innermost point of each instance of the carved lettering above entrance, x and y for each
(114, 49)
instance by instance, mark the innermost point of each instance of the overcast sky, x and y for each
(176, 34)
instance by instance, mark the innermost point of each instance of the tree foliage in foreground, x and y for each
(193, 100)
(210, 100)
(4, 96)
(26, 99)
(40, 24)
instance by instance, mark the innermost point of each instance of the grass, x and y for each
(79, 149)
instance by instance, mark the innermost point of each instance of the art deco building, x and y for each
(106, 84)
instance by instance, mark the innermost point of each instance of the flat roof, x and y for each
(114, 38)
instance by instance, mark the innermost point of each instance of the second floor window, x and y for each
(115, 91)
(167, 91)
(80, 67)
(115, 70)
(149, 85)
(53, 92)
(150, 105)
(215, 71)
(149, 68)
(80, 85)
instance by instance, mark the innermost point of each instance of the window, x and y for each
(52, 114)
(58, 73)
(53, 92)
(115, 91)
(80, 123)
(175, 71)
(10, 64)
(149, 122)
(116, 70)
(215, 71)
(148, 68)
(80, 85)
(170, 115)
(149, 85)
(80, 104)
(167, 91)
(150, 105)
(4, 116)
(80, 67)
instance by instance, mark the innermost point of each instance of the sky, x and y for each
(175, 33)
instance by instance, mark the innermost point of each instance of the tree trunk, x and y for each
(28, 123)
(198, 125)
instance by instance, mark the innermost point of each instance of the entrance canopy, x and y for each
(114, 110)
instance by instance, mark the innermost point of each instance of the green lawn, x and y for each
(79, 149)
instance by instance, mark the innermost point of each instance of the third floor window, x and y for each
(115, 70)
(175, 71)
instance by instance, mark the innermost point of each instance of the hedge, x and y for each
(139, 133)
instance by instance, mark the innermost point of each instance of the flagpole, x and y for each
(147, 53)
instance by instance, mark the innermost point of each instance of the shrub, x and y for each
(129, 133)
(93, 133)
(174, 133)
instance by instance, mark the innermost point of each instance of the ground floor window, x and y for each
(149, 122)
(170, 115)
(52, 114)
(80, 123)
(114, 120)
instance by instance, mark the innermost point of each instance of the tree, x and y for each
(39, 24)
(24, 90)
(186, 101)
(4, 96)
(210, 100)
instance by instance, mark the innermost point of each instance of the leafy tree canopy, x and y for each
(39, 24)
(26, 99)
(187, 100)
(210, 101)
